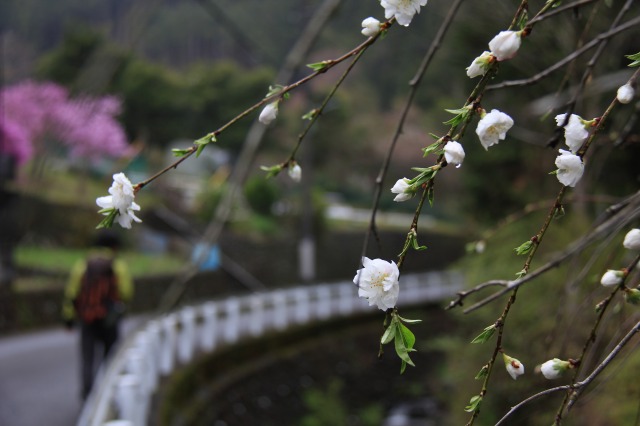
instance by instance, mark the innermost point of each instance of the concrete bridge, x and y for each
(124, 388)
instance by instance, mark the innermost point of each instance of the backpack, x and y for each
(98, 296)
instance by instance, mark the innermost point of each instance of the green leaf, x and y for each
(404, 341)
(430, 195)
(180, 152)
(274, 90)
(521, 274)
(523, 19)
(524, 248)
(389, 334)
(409, 321)
(635, 58)
(319, 66)
(107, 222)
(431, 148)
(200, 149)
(311, 114)
(272, 170)
(474, 403)
(485, 335)
(483, 372)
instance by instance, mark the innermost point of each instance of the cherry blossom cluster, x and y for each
(86, 126)
(120, 205)
(502, 47)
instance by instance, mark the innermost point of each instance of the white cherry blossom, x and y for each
(493, 127)
(377, 282)
(370, 27)
(505, 45)
(575, 132)
(403, 10)
(454, 153)
(120, 201)
(570, 168)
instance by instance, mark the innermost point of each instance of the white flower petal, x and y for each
(269, 113)
(454, 153)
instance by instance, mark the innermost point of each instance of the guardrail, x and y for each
(125, 386)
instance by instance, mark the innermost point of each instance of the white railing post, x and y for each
(231, 328)
(323, 301)
(127, 398)
(118, 423)
(209, 323)
(187, 337)
(301, 297)
(168, 345)
(256, 315)
(345, 293)
(279, 303)
(149, 339)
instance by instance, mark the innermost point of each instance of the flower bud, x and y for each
(370, 27)
(505, 45)
(632, 295)
(554, 368)
(611, 278)
(295, 172)
(514, 367)
(632, 240)
(625, 94)
(269, 113)
(479, 65)
(403, 189)
(454, 153)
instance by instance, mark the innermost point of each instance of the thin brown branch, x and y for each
(579, 385)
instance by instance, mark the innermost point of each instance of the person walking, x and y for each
(94, 299)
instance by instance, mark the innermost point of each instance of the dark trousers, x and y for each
(96, 340)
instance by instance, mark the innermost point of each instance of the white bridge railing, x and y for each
(123, 390)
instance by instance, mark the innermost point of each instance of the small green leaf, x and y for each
(180, 152)
(430, 195)
(431, 148)
(521, 274)
(485, 335)
(274, 90)
(474, 403)
(635, 58)
(107, 222)
(483, 372)
(524, 248)
(319, 66)
(389, 334)
(523, 19)
(409, 321)
(200, 149)
(272, 170)
(311, 114)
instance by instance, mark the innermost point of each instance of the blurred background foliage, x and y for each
(184, 68)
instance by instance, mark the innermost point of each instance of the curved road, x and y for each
(39, 378)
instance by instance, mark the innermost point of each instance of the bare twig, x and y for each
(532, 80)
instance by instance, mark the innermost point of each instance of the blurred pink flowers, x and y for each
(37, 112)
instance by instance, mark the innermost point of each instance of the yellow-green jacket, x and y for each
(123, 278)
